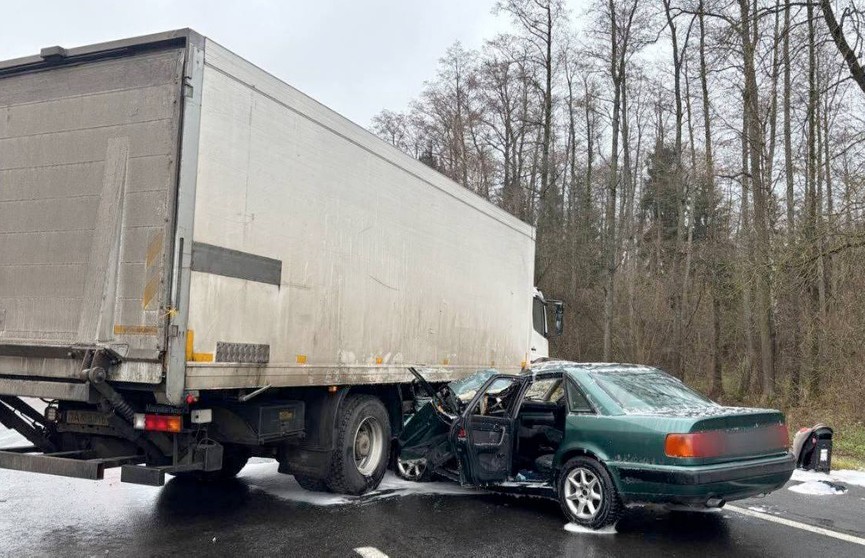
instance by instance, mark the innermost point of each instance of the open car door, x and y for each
(483, 436)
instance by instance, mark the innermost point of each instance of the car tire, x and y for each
(234, 459)
(587, 494)
(412, 471)
(362, 446)
(311, 484)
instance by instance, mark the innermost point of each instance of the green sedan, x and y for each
(595, 437)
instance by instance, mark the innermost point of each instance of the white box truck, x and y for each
(199, 264)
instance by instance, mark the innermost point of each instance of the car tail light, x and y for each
(695, 444)
(718, 443)
(782, 436)
(158, 423)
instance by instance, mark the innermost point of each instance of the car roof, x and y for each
(550, 365)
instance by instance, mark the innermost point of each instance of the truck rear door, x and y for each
(88, 169)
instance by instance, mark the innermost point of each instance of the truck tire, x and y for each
(234, 458)
(311, 484)
(362, 446)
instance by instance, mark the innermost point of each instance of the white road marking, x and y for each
(370, 552)
(797, 525)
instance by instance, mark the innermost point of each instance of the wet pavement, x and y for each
(265, 513)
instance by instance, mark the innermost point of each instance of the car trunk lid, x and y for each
(717, 434)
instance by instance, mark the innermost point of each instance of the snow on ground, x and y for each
(264, 476)
(847, 476)
(818, 488)
(11, 439)
(575, 528)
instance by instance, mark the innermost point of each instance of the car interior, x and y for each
(539, 424)
(540, 428)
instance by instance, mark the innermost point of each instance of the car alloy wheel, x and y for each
(583, 493)
(411, 470)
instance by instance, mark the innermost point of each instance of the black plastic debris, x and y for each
(813, 448)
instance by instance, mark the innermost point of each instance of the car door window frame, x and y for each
(571, 386)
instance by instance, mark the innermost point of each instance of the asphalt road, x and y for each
(265, 513)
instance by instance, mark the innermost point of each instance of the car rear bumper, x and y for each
(698, 484)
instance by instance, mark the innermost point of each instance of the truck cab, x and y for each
(543, 311)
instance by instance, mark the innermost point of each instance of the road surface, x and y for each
(265, 513)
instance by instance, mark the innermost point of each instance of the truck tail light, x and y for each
(158, 423)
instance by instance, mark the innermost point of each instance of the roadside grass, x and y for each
(848, 448)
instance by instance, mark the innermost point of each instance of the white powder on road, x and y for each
(263, 476)
(575, 528)
(848, 476)
(817, 488)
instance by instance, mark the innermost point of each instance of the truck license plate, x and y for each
(91, 418)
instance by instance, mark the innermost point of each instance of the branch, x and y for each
(843, 47)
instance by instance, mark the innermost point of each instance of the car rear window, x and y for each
(652, 390)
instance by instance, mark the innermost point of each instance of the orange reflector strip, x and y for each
(190, 342)
(135, 330)
(379, 360)
(301, 359)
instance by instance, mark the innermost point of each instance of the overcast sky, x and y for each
(356, 56)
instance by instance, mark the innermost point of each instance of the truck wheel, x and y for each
(587, 494)
(362, 446)
(311, 484)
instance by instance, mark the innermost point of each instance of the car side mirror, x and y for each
(559, 308)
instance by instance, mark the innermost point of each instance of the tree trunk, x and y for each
(761, 229)
(610, 212)
(856, 70)
(793, 296)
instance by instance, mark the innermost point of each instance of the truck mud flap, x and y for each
(75, 464)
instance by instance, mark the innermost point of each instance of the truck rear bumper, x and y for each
(75, 464)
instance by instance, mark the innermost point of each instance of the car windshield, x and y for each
(648, 390)
(466, 388)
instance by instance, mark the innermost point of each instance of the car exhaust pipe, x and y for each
(715, 503)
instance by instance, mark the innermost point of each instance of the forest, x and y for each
(696, 173)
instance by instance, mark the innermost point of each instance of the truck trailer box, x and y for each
(210, 227)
